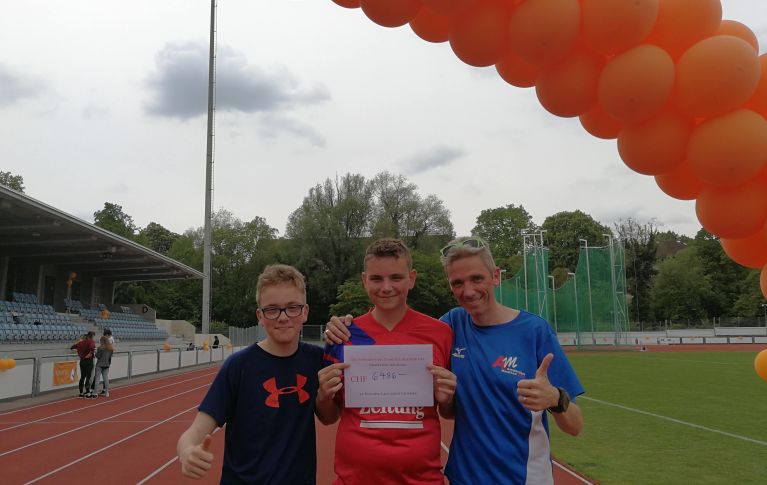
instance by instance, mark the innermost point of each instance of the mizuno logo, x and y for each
(273, 400)
(459, 352)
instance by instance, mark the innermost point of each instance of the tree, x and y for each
(563, 232)
(157, 238)
(15, 182)
(726, 276)
(681, 288)
(402, 213)
(641, 248)
(113, 219)
(502, 228)
(327, 233)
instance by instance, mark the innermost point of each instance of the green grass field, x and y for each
(718, 391)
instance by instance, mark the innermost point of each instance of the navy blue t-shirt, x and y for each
(267, 403)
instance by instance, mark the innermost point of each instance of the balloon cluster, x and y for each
(683, 91)
(166, 347)
(7, 364)
(205, 346)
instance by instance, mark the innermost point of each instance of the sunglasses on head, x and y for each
(471, 242)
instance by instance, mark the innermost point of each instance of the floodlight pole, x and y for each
(500, 289)
(554, 301)
(206, 263)
(588, 281)
(577, 318)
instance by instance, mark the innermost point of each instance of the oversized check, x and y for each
(388, 375)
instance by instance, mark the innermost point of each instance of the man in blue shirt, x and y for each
(510, 370)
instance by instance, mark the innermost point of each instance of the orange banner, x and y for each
(64, 373)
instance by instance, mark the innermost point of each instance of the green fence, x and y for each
(593, 299)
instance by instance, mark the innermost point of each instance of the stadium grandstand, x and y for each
(57, 278)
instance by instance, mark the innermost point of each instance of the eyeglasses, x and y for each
(472, 242)
(273, 312)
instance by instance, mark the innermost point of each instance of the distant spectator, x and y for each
(215, 342)
(103, 361)
(86, 349)
(190, 346)
(108, 333)
(105, 314)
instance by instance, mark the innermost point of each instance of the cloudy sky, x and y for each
(105, 100)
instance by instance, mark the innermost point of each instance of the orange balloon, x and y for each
(391, 13)
(729, 150)
(655, 146)
(760, 362)
(569, 88)
(348, 3)
(750, 252)
(758, 101)
(448, 7)
(682, 23)
(680, 183)
(716, 75)
(612, 26)
(480, 36)
(544, 31)
(733, 213)
(763, 281)
(600, 124)
(736, 29)
(517, 71)
(430, 26)
(635, 85)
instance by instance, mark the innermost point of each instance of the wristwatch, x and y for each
(563, 403)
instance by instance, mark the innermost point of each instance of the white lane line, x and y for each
(677, 421)
(166, 465)
(104, 401)
(562, 467)
(107, 447)
(6, 413)
(99, 421)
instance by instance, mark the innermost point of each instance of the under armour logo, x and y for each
(273, 400)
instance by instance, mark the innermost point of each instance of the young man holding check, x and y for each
(390, 445)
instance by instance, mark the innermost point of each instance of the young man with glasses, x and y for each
(390, 445)
(265, 394)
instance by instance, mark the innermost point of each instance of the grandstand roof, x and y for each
(34, 232)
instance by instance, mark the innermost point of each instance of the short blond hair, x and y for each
(457, 250)
(280, 274)
(389, 248)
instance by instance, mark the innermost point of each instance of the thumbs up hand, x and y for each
(197, 460)
(538, 394)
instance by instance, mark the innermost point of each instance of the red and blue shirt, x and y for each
(391, 445)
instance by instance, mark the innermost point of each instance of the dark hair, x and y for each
(107, 331)
(91, 334)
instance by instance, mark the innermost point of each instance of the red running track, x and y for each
(130, 437)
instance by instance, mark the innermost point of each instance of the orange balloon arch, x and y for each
(683, 91)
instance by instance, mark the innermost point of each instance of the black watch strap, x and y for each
(563, 403)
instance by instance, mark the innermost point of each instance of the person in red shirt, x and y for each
(86, 350)
(389, 445)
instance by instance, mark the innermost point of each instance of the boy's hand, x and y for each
(196, 460)
(444, 384)
(331, 381)
(336, 331)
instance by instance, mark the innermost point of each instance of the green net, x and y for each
(592, 300)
